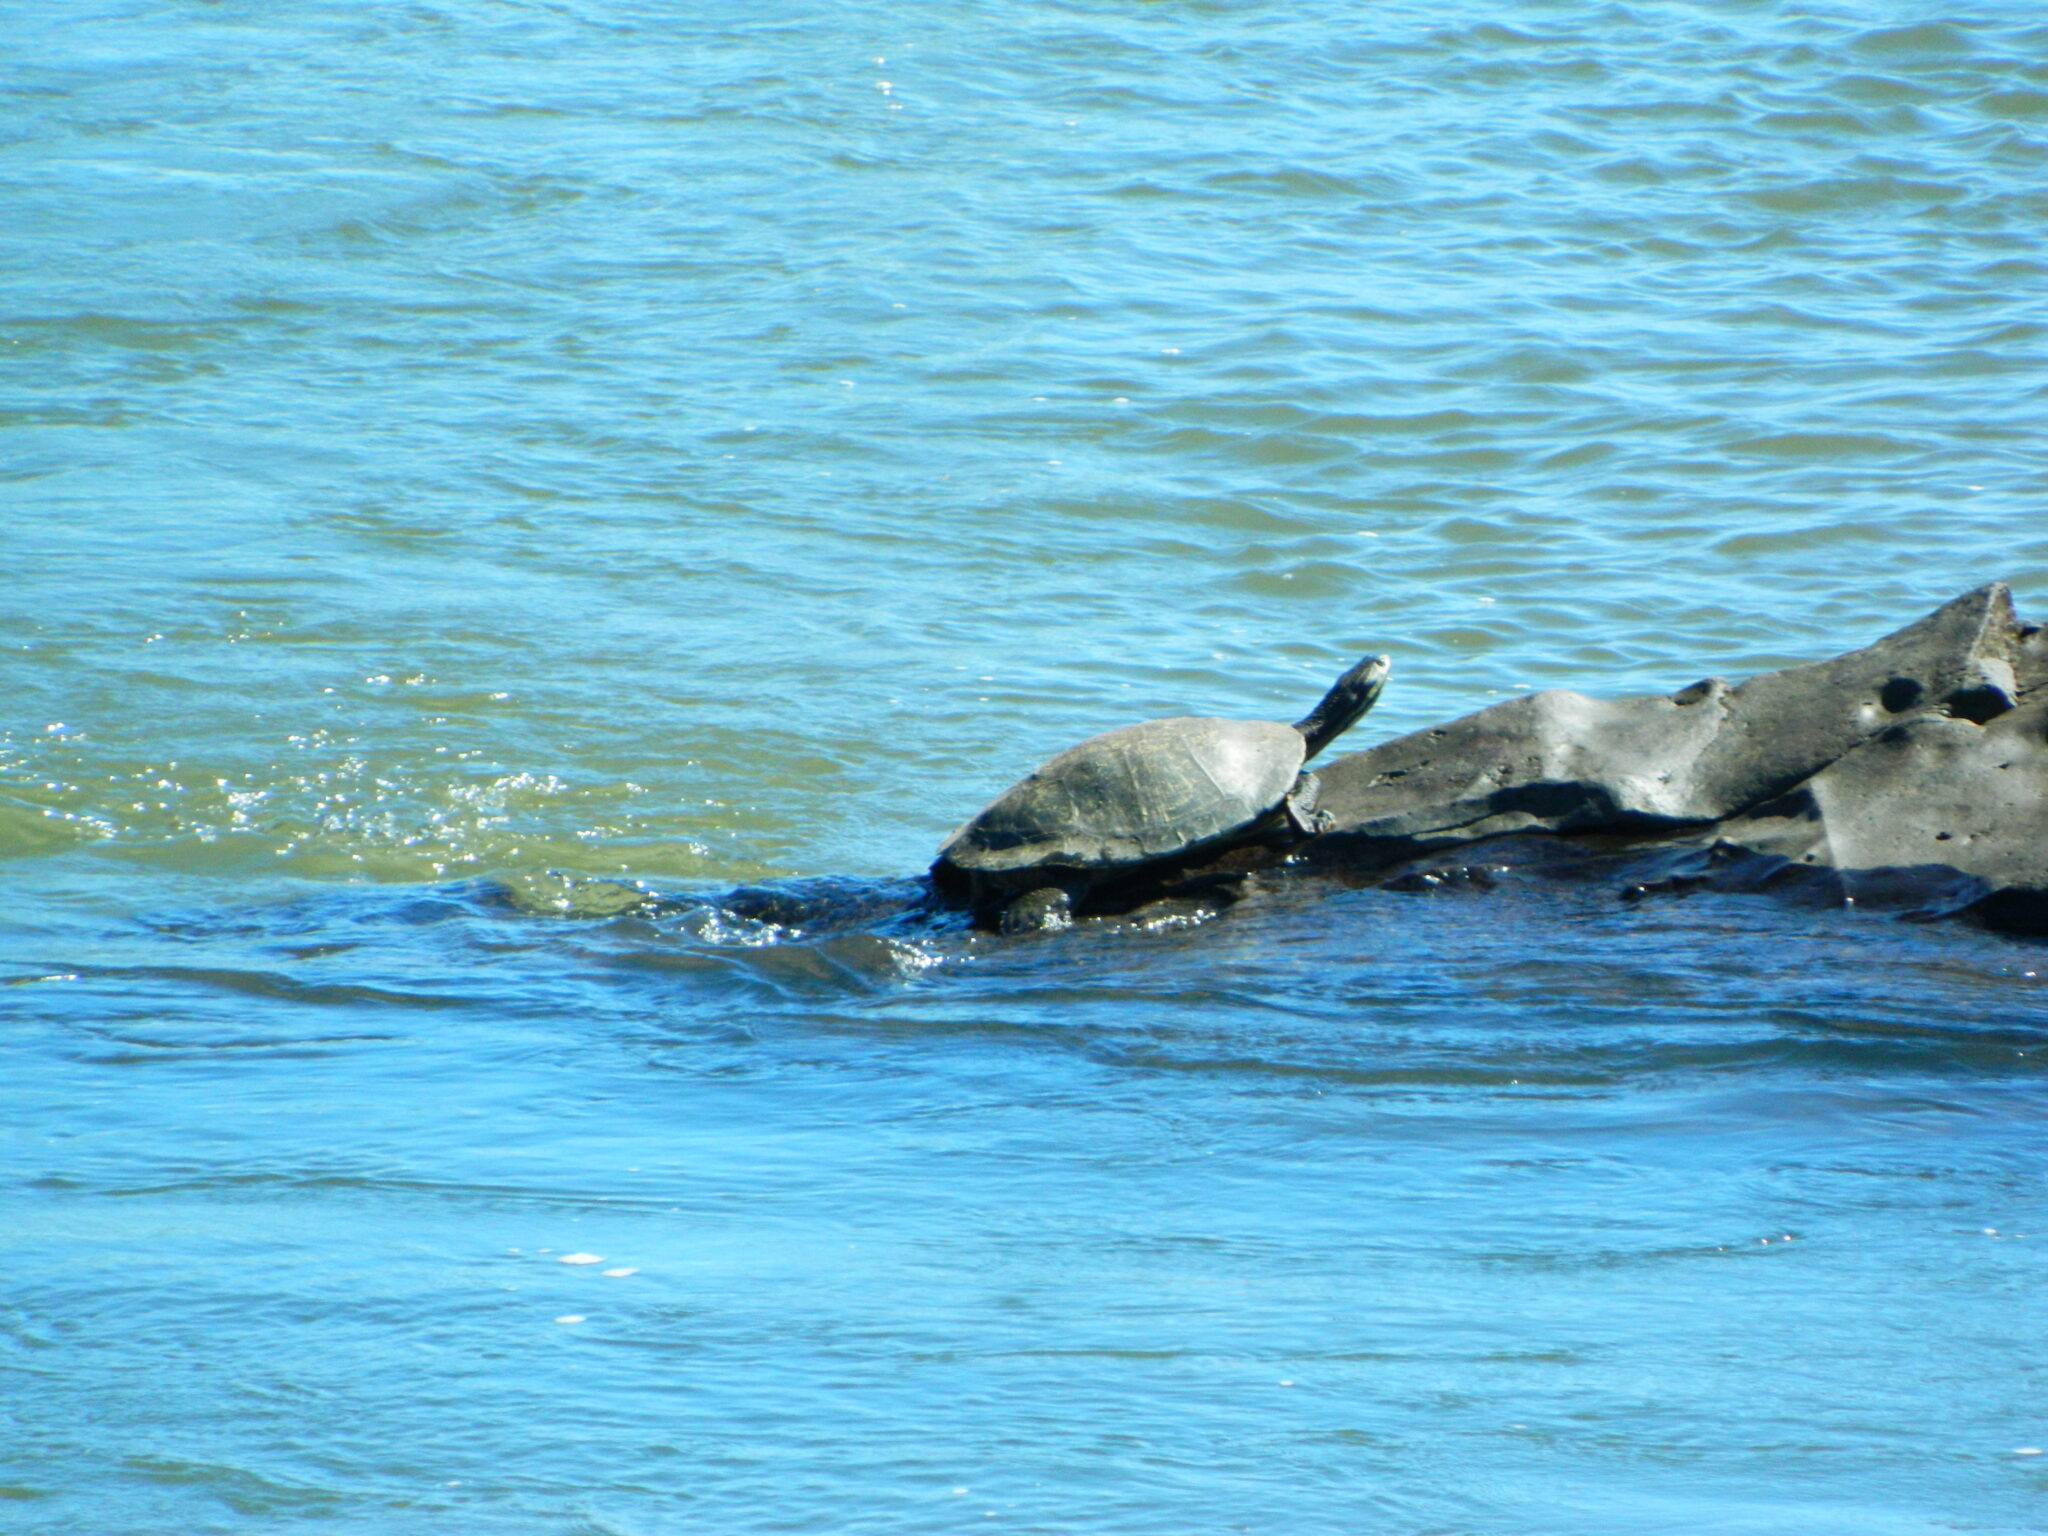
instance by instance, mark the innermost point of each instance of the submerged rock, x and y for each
(1915, 769)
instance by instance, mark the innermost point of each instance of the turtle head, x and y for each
(1348, 699)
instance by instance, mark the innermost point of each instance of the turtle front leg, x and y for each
(1045, 910)
(1302, 814)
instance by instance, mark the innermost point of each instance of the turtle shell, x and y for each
(1128, 797)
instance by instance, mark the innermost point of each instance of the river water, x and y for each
(469, 465)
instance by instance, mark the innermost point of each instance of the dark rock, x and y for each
(1441, 879)
(2021, 909)
(817, 905)
(1934, 811)
(1679, 870)
(1913, 773)
(1562, 762)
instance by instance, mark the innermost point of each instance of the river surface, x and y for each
(469, 468)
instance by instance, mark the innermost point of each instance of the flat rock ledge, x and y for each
(1910, 774)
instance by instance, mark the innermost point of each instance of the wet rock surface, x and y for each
(1912, 772)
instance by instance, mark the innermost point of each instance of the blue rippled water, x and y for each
(468, 465)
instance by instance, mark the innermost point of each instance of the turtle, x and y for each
(1142, 800)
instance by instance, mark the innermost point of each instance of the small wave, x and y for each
(1849, 194)
(2021, 104)
(1829, 446)
(1293, 181)
(1938, 41)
